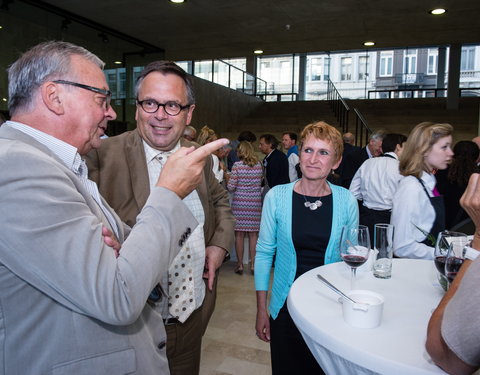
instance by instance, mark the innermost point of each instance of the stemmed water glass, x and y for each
(354, 248)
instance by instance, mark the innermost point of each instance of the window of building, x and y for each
(410, 62)
(185, 65)
(116, 79)
(203, 69)
(346, 69)
(386, 63)
(240, 63)
(432, 63)
(280, 73)
(315, 69)
(316, 76)
(362, 67)
(468, 58)
(285, 69)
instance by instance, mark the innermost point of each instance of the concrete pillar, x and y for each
(302, 70)
(442, 58)
(251, 68)
(252, 65)
(453, 93)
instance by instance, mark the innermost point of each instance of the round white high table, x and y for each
(397, 346)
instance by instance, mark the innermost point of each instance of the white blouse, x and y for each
(412, 210)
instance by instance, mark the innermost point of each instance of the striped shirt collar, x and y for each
(151, 153)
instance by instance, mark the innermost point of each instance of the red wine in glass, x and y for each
(452, 266)
(354, 260)
(440, 264)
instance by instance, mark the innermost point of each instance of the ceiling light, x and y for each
(369, 44)
(437, 11)
(117, 62)
(258, 52)
(4, 99)
(177, 1)
(1, 27)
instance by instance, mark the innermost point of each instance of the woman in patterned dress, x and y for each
(245, 185)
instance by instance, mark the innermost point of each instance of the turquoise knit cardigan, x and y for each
(275, 238)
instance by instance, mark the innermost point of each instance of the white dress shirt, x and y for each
(217, 171)
(155, 161)
(412, 207)
(376, 181)
(293, 160)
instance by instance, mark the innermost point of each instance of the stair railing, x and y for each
(338, 105)
(361, 129)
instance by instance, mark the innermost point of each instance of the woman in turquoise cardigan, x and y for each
(300, 228)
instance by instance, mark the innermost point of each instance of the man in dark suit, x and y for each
(72, 301)
(348, 147)
(354, 159)
(124, 168)
(275, 162)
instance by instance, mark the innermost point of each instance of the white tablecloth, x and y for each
(397, 346)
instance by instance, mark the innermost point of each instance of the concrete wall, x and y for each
(401, 115)
(221, 108)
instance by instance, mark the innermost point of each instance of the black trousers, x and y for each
(371, 217)
(289, 352)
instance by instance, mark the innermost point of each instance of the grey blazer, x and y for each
(67, 305)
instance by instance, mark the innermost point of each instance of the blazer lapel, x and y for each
(137, 165)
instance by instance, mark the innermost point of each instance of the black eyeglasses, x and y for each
(107, 93)
(171, 108)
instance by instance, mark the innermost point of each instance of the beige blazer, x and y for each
(67, 305)
(119, 167)
(120, 170)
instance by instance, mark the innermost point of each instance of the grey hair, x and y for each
(378, 135)
(167, 67)
(45, 61)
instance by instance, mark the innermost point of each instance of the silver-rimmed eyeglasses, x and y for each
(107, 93)
(171, 108)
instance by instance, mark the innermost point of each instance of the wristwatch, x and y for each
(470, 253)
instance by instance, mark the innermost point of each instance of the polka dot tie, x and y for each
(181, 300)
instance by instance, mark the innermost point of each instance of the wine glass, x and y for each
(354, 248)
(441, 249)
(455, 257)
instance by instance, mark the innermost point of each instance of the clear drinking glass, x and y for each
(383, 243)
(354, 248)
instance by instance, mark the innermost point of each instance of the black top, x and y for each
(276, 165)
(311, 231)
(353, 161)
(452, 192)
(439, 222)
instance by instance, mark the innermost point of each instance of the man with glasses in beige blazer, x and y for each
(73, 286)
(125, 168)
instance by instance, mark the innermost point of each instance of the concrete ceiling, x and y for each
(234, 28)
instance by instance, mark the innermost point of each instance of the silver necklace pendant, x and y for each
(313, 205)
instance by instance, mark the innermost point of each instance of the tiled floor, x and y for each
(230, 345)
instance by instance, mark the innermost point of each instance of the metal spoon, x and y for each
(352, 245)
(334, 288)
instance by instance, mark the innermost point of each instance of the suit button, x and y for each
(189, 230)
(181, 242)
(162, 345)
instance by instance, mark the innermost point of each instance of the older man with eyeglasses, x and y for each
(73, 286)
(125, 168)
